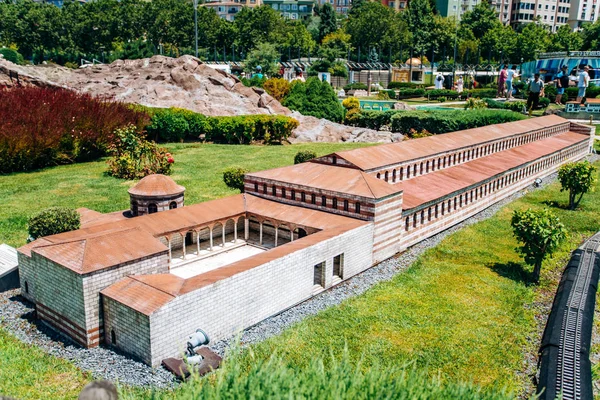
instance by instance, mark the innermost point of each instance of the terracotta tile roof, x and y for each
(328, 177)
(156, 185)
(148, 293)
(137, 295)
(96, 252)
(426, 188)
(90, 217)
(369, 158)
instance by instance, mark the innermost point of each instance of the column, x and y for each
(246, 229)
(211, 238)
(223, 234)
(260, 234)
(183, 245)
(276, 234)
(198, 241)
(169, 243)
(234, 231)
(291, 234)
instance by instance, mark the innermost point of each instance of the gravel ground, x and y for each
(16, 316)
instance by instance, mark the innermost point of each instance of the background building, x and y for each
(229, 8)
(293, 9)
(583, 11)
(552, 13)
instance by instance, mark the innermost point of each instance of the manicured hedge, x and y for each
(591, 92)
(355, 86)
(435, 93)
(481, 93)
(407, 93)
(505, 105)
(53, 220)
(403, 85)
(442, 121)
(374, 119)
(176, 124)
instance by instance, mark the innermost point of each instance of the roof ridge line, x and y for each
(364, 174)
(154, 287)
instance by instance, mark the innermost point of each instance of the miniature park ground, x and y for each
(462, 312)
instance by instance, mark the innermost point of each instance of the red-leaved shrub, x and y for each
(41, 127)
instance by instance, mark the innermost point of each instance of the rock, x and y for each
(99, 390)
(399, 105)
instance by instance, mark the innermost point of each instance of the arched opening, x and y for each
(334, 203)
(134, 208)
(113, 337)
(152, 208)
(334, 160)
(217, 235)
(301, 233)
(357, 207)
(230, 231)
(172, 205)
(26, 287)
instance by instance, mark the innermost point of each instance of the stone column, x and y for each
(276, 234)
(223, 234)
(234, 231)
(211, 238)
(170, 255)
(198, 241)
(183, 243)
(260, 234)
(246, 229)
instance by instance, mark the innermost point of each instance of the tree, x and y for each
(234, 178)
(419, 20)
(304, 156)
(566, 40)
(500, 38)
(482, 19)
(577, 178)
(137, 49)
(298, 37)
(591, 36)
(265, 55)
(533, 39)
(315, 98)
(328, 23)
(540, 233)
(259, 25)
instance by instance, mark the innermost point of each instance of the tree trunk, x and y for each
(571, 200)
(537, 268)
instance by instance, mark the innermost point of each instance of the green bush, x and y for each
(544, 102)
(403, 85)
(12, 56)
(442, 99)
(315, 98)
(176, 124)
(481, 93)
(443, 121)
(435, 93)
(516, 106)
(373, 119)
(234, 178)
(53, 220)
(254, 81)
(407, 93)
(168, 125)
(304, 156)
(355, 86)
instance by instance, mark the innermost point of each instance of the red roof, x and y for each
(369, 158)
(328, 177)
(156, 185)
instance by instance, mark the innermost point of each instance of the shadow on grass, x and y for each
(512, 270)
(555, 204)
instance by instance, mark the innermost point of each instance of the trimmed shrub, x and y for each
(304, 156)
(53, 220)
(277, 87)
(374, 119)
(176, 124)
(475, 104)
(350, 102)
(234, 178)
(355, 86)
(516, 106)
(442, 121)
(403, 85)
(315, 98)
(544, 102)
(481, 93)
(448, 94)
(407, 93)
(41, 127)
(134, 157)
(168, 125)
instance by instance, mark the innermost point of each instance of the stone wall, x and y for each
(129, 329)
(93, 283)
(139, 204)
(235, 303)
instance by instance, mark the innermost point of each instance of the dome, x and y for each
(413, 61)
(156, 185)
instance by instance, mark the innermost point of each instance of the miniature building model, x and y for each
(144, 284)
(155, 193)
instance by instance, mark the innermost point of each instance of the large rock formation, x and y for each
(183, 82)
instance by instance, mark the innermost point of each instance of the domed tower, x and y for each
(155, 193)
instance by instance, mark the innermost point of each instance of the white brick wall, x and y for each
(247, 298)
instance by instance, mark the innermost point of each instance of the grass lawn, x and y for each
(198, 167)
(26, 372)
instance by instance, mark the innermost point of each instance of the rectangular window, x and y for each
(319, 269)
(274, 191)
(345, 205)
(324, 201)
(264, 188)
(283, 192)
(338, 264)
(293, 194)
(357, 207)
(334, 203)
(303, 197)
(313, 199)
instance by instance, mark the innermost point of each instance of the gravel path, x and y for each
(16, 316)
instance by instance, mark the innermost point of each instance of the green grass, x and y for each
(26, 372)
(198, 167)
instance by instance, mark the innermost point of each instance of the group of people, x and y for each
(536, 85)
(459, 85)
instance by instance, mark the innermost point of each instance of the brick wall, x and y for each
(247, 298)
(131, 329)
(95, 282)
(388, 222)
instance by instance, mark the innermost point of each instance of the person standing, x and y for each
(510, 75)
(536, 88)
(562, 82)
(584, 81)
(460, 85)
(439, 81)
(502, 80)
